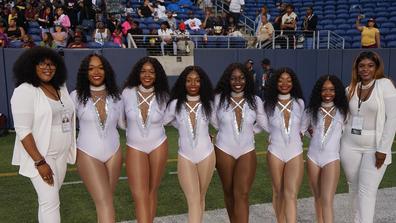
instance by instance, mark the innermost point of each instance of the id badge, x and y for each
(66, 121)
(357, 125)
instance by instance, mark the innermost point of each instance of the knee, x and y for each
(50, 202)
(241, 194)
(290, 195)
(326, 200)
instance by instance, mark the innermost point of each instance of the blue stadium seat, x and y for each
(342, 11)
(110, 45)
(340, 32)
(390, 37)
(339, 21)
(356, 45)
(146, 31)
(347, 38)
(14, 44)
(352, 32)
(329, 27)
(392, 19)
(345, 26)
(391, 44)
(379, 14)
(33, 24)
(381, 9)
(94, 45)
(36, 38)
(392, 30)
(237, 42)
(330, 16)
(34, 31)
(383, 4)
(343, 16)
(380, 20)
(356, 38)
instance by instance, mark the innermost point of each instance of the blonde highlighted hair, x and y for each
(379, 69)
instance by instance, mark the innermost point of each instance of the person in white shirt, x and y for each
(264, 33)
(193, 22)
(44, 122)
(236, 8)
(369, 132)
(289, 24)
(166, 35)
(184, 43)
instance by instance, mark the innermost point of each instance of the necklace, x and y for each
(367, 86)
(145, 90)
(327, 104)
(193, 98)
(284, 96)
(237, 95)
(97, 88)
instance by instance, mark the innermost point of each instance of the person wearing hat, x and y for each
(184, 44)
(370, 33)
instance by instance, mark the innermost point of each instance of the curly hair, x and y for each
(223, 87)
(340, 99)
(161, 86)
(379, 69)
(179, 91)
(25, 67)
(82, 86)
(271, 92)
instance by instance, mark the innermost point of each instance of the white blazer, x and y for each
(32, 114)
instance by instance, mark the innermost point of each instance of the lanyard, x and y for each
(57, 95)
(360, 100)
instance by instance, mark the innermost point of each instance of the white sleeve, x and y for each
(262, 122)
(389, 130)
(305, 122)
(170, 113)
(213, 119)
(122, 119)
(22, 107)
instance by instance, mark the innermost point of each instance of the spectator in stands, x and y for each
(146, 9)
(278, 19)
(30, 13)
(220, 26)
(309, 27)
(209, 22)
(159, 10)
(264, 11)
(236, 8)
(112, 23)
(71, 10)
(370, 33)
(87, 13)
(47, 41)
(171, 20)
(13, 15)
(173, 6)
(234, 31)
(60, 36)
(77, 43)
(14, 32)
(193, 23)
(184, 43)
(117, 37)
(62, 19)
(264, 33)
(289, 24)
(3, 36)
(101, 33)
(127, 24)
(184, 5)
(136, 30)
(153, 42)
(166, 34)
(27, 42)
(128, 10)
(46, 19)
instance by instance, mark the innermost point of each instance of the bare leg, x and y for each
(225, 167)
(95, 177)
(138, 172)
(314, 176)
(329, 181)
(245, 171)
(113, 167)
(205, 173)
(293, 175)
(276, 168)
(157, 160)
(189, 182)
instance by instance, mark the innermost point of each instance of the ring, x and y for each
(45, 178)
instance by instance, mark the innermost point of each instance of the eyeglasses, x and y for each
(47, 65)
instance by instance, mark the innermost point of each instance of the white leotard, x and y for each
(148, 136)
(325, 147)
(97, 140)
(230, 139)
(194, 145)
(286, 144)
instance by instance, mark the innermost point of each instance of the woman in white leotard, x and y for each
(369, 132)
(190, 110)
(145, 97)
(99, 109)
(236, 112)
(284, 107)
(327, 111)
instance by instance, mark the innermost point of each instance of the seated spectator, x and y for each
(101, 33)
(209, 22)
(117, 37)
(128, 10)
(264, 11)
(207, 5)
(47, 41)
(173, 6)
(146, 9)
(166, 34)
(80, 31)
(127, 25)
(3, 38)
(159, 10)
(71, 10)
(234, 31)
(183, 41)
(30, 13)
(171, 20)
(62, 19)
(153, 42)
(193, 23)
(264, 32)
(184, 5)
(77, 43)
(59, 36)
(133, 36)
(46, 19)
(13, 15)
(309, 27)
(112, 23)
(27, 42)
(370, 33)
(14, 32)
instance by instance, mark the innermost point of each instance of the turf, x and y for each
(18, 202)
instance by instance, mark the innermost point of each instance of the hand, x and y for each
(359, 17)
(379, 159)
(46, 173)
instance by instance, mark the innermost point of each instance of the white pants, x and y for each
(363, 180)
(48, 196)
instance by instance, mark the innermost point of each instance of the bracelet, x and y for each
(39, 162)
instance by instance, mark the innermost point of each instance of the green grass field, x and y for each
(18, 202)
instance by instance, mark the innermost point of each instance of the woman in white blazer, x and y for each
(367, 140)
(44, 123)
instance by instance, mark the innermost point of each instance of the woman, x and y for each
(99, 109)
(46, 19)
(59, 36)
(101, 34)
(237, 109)
(44, 123)
(48, 41)
(370, 33)
(327, 111)
(14, 32)
(367, 140)
(190, 110)
(284, 106)
(145, 96)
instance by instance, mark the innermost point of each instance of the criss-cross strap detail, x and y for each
(101, 118)
(144, 99)
(285, 107)
(193, 109)
(238, 124)
(192, 121)
(282, 109)
(237, 104)
(327, 113)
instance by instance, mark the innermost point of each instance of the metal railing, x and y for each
(329, 40)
